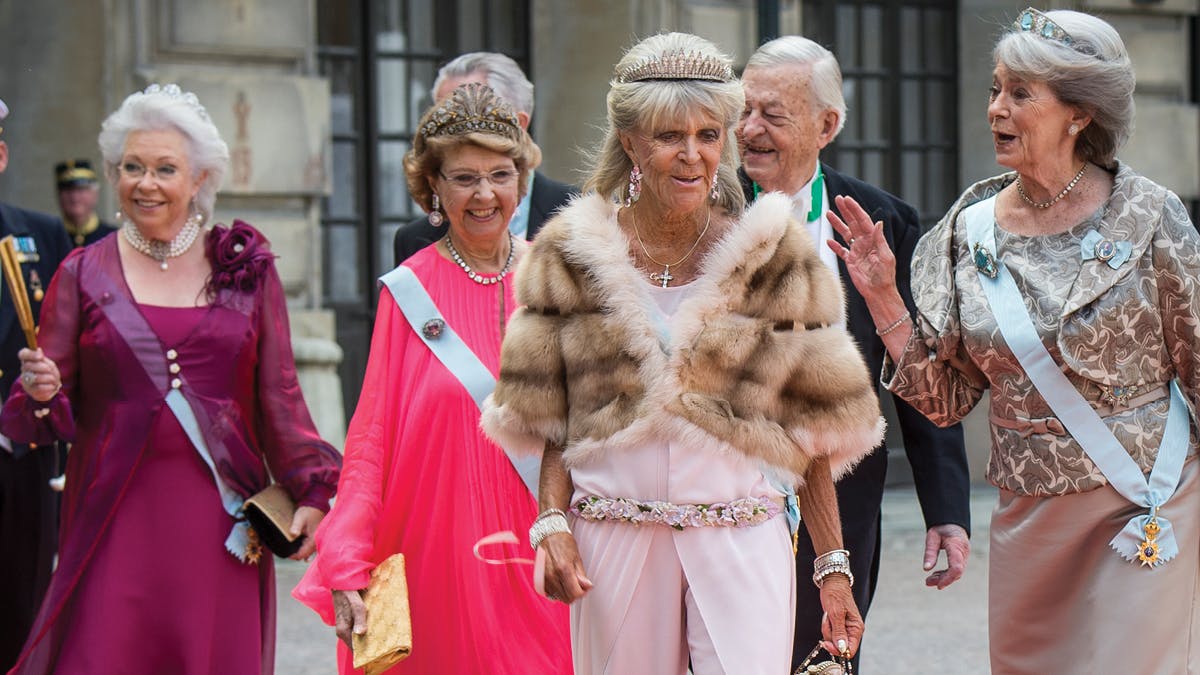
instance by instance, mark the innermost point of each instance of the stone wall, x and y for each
(252, 64)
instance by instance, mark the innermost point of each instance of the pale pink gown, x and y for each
(725, 597)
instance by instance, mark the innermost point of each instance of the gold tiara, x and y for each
(1033, 21)
(677, 65)
(472, 108)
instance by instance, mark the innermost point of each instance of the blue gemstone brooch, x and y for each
(985, 262)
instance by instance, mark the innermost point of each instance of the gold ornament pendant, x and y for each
(1148, 550)
(254, 547)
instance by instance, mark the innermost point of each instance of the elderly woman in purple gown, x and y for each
(165, 358)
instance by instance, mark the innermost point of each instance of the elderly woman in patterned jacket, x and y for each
(1069, 288)
(679, 365)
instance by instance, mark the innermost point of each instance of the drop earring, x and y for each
(435, 216)
(635, 186)
(716, 187)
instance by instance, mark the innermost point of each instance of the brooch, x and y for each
(985, 262)
(433, 329)
(1095, 246)
(1118, 395)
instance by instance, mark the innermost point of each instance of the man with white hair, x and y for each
(28, 506)
(794, 108)
(544, 196)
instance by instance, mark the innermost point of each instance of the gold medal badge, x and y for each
(1148, 549)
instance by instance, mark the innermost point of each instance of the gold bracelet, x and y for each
(892, 326)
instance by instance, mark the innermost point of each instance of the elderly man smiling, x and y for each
(794, 108)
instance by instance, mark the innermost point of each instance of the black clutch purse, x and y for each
(270, 515)
(835, 665)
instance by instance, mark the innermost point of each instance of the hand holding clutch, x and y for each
(388, 639)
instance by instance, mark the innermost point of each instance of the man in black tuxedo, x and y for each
(28, 507)
(794, 108)
(544, 196)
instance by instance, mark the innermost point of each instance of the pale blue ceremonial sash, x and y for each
(416, 305)
(1075, 413)
(239, 537)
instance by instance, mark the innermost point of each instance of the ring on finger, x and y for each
(851, 241)
(28, 377)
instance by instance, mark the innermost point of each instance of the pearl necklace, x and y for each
(1052, 202)
(162, 250)
(476, 277)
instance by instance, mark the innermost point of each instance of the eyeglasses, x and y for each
(500, 178)
(137, 171)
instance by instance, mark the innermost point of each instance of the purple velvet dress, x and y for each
(144, 582)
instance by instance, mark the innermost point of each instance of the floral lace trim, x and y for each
(745, 512)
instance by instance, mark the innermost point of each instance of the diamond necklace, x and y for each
(665, 277)
(1052, 202)
(476, 277)
(162, 250)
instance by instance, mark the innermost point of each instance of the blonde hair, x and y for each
(653, 104)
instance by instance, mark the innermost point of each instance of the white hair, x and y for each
(826, 81)
(503, 75)
(161, 109)
(1093, 74)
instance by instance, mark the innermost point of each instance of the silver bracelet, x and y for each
(545, 526)
(549, 512)
(892, 326)
(836, 561)
(819, 577)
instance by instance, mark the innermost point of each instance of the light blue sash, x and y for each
(239, 537)
(1075, 413)
(416, 305)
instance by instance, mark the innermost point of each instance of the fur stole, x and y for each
(753, 362)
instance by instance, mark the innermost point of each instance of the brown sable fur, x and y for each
(755, 361)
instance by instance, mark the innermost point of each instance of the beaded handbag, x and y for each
(836, 665)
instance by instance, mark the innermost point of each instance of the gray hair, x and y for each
(826, 81)
(652, 104)
(503, 75)
(158, 109)
(1093, 74)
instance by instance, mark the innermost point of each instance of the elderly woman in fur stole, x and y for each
(679, 365)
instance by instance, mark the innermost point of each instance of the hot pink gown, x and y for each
(421, 479)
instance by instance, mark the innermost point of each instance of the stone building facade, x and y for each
(317, 100)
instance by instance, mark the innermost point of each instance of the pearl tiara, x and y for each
(1033, 21)
(472, 108)
(174, 92)
(677, 65)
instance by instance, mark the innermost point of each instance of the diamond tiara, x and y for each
(173, 91)
(472, 108)
(677, 65)
(1033, 21)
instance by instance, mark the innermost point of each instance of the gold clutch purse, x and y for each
(270, 513)
(388, 639)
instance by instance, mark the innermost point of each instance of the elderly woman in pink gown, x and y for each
(166, 360)
(420, 478)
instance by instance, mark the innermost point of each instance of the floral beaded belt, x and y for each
(745, 512)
